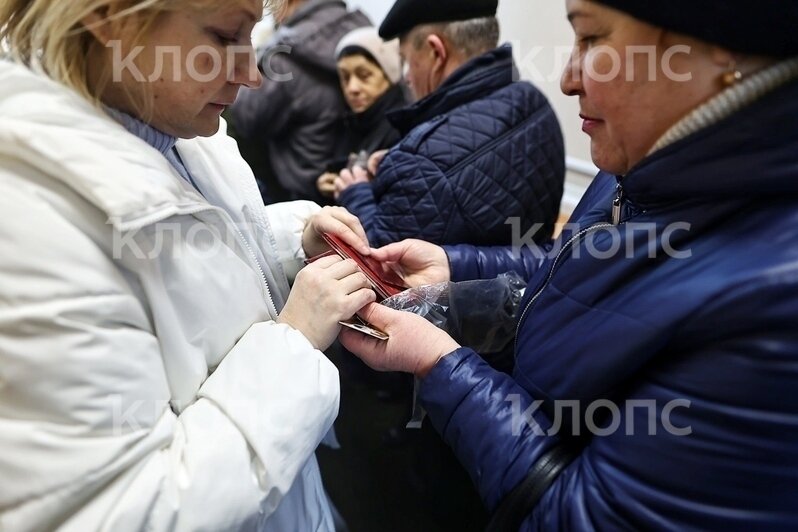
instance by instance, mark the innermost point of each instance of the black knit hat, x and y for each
(761, 27)
(407, 14)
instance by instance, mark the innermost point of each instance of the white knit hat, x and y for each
(385, 53)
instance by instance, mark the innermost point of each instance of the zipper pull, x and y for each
(616, 205)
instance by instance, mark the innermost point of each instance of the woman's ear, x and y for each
(688, 54)
(722, 57)
(738, 66)
(99, 25)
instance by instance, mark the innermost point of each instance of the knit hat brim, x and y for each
(386, 54)
(764, 27)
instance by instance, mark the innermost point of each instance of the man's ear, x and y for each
(438, 50)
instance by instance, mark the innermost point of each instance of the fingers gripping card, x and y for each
(386, 283)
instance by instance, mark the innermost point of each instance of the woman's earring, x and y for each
(732, 76)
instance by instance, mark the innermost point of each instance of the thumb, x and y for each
(360, 173)
(390, 253)
(375, 160)
(379, 316)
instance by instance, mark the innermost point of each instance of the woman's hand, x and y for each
(347, 178)
(325, 292)
(414, 344)
(339, 222)
(417, 262)
(326, 184)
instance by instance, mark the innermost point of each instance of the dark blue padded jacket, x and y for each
(689, 305)
(479, 150)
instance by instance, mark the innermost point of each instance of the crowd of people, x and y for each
(166, 303)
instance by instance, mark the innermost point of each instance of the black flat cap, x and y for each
(761, 27)
(407, 14)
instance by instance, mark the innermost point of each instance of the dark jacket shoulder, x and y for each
(482, 148)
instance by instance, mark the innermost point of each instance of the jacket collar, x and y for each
(475, 79)
(307, 10)
(314, 30)
(154, 137)
(752, 153)
(58, 132)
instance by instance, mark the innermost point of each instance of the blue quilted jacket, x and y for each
(705, 313)
(477, 151)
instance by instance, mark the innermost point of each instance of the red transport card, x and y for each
(386, 284)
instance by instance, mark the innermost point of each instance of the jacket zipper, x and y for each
(554, 264)
(159, 216)
(254, 257)
(617, 203)
(257, 207)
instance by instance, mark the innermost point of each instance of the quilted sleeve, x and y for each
(359, 200)
(413, 200)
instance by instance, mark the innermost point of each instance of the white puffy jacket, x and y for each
(143, 382)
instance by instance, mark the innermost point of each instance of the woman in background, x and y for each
(370, 71)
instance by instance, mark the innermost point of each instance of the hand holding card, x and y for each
(385, 283)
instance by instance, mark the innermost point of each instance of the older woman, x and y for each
(657, 352)
(155, 373)
(370, 71)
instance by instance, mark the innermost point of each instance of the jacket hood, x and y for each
(57, 131)
(314, 30)
(749, 154)
(475, 79)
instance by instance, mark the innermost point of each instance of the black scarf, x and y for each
(370, 130)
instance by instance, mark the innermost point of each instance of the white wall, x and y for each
(542, 39)
(375, 9)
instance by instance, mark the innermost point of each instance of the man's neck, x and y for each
(454, 62)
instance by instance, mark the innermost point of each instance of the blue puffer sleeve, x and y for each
(480, 413)
(359, 200)
(468, 262)
(413, 199)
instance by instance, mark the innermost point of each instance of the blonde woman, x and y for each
(155, 373)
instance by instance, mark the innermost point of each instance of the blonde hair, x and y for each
(49, 36)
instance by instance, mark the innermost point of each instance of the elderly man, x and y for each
(479, 147)
(293, 120)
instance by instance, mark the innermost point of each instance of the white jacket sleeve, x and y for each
(288, 221)
(88, 440)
